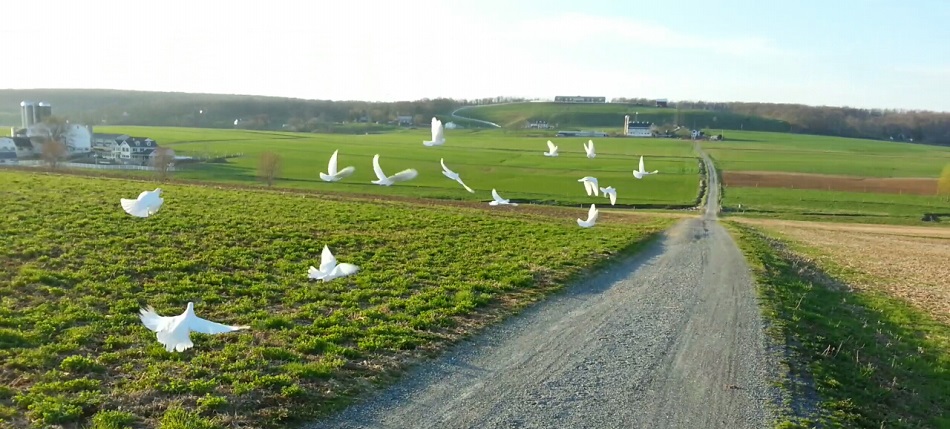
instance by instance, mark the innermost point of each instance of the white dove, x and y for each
(329, 269)
(639, 174)
(591, 218)
(147, 203)
(552, 149)
(610, 192)
(402, 176)
(590, 185)
(332, 174)
(438, 134)
(499, 200)
(589, 148)
(453, 175)
(175, 332)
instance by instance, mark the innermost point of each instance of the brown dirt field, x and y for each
(771, 179)
(910, 263)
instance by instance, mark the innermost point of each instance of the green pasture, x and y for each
(801, 153)
(808, 204)
(609, 116)
(76, 270)
(485, 159)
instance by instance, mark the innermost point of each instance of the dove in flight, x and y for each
(589, 148)
(174, 332)
(498, 200)
(147, 203)
(453, 175)
(552, 149)
(641, 173)
(329, 269)
(332, 174)
(590, 185)
(383, 180)
(438, 134)
(591, 218)
(610, 192)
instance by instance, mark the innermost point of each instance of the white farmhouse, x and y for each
(637, 129)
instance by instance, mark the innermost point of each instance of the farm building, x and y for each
(403, 121)
(637, 129)
(579, 99)
(7, 151)
(451, 125)
(581, 134)
(661, 102)
(24, 147)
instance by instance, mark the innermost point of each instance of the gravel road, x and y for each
(670, 338)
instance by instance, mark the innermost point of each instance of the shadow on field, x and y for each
(876, 359)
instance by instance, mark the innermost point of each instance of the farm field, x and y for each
(485, 159)
(808, 204)
(77, 269)
(826, 182)
(866, 326)
(799, 153)
(609, 116)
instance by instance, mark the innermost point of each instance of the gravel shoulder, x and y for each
(669, 338)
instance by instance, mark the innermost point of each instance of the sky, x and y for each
(858, 53)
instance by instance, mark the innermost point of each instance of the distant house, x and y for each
(7, 151)
(404, 121)
(123, 149)
(639, 129)
(540, 125)
(661, 102)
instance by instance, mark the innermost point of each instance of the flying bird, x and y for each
(174, 332)
(332, 174)
(402, 176)
(589, 148)
(552, 149)
(591, 218)
(329, 269)
(590, 185)
(499, 200)
(453, 175)
(639, 174)
(438, 134)
(147, 203)
(610, 192)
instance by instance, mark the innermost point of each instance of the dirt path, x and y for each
(671, 338)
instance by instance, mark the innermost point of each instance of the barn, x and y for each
(636, 128)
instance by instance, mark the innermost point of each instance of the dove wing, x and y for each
(404, 175)
(446, 169)
(327, 260)
(376, 168)
(204, 326)
(331, 166)
(152, 320)
(344, 270)
(613, 197)
(641, 165)
(551, 147)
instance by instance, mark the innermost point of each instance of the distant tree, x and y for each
(162, 160)
(52, 152)
(943, 185)
(269, 167)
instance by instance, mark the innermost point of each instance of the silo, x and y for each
(27, 114)
(43, 111)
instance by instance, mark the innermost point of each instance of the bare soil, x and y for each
(911, 263)
(770, 179)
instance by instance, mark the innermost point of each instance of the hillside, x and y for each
(610, 115)
(120, 107)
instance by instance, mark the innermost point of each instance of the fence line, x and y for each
(35, 163)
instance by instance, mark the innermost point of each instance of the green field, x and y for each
(77, 269)
(799, 153)
(485, 159)
(609, 116)
(806, 204)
